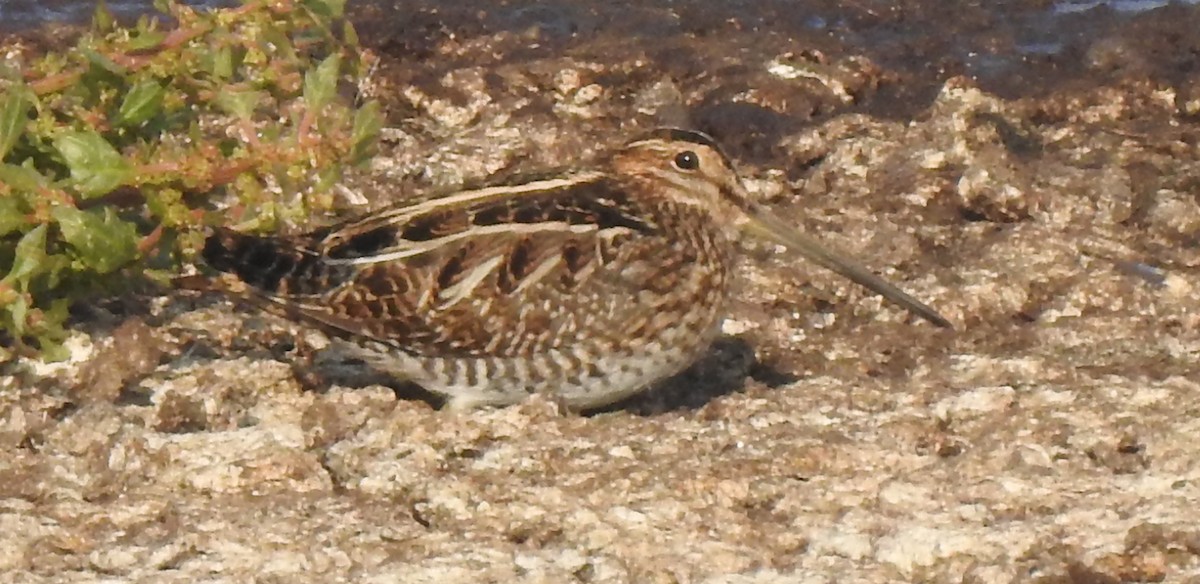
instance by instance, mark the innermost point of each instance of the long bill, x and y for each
(767, 226)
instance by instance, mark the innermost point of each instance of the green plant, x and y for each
(112, 151)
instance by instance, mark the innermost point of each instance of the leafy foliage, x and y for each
(111, 152)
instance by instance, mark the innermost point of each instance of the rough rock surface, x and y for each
(1023, 186)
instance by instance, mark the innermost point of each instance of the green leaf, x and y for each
(145, 36)
(19, 309)
(28, 258)
(320, 84)
(102, 19)
(280, 44)
(96, 167)
(101, 240)
(11, 216)
(365, 134)
(222, 67)
(349, 34)
(51, 347)
(22, 178)
(240, 103)
(103, 62)
(143, 102)
(50, 333)
(167, 204)
(326, 8)
(14, 114)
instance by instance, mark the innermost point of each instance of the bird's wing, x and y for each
(498, 271)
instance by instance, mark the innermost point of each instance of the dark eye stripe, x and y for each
(727, 194)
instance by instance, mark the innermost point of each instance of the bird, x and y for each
(587, 285)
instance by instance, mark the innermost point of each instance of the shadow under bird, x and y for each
(589, 286)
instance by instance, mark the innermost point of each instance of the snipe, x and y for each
(590, 285)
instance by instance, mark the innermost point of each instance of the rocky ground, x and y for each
(1031, 169)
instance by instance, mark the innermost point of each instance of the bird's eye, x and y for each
(687, 160)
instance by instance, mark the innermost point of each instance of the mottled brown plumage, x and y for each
(589, 285)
